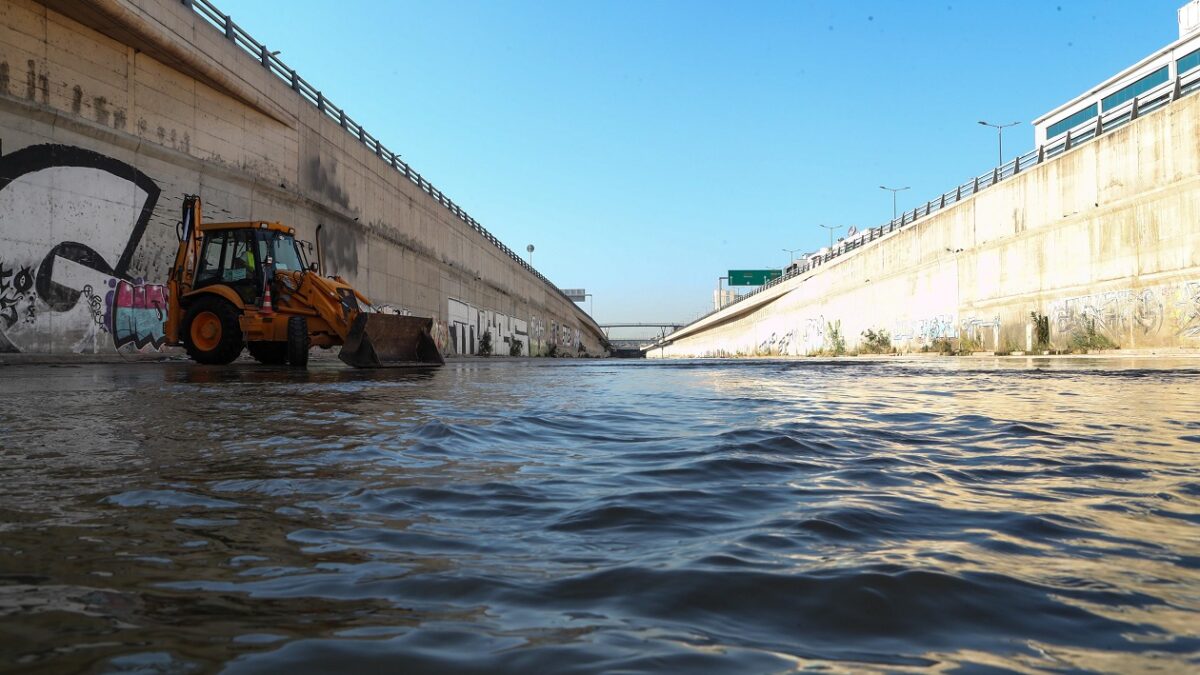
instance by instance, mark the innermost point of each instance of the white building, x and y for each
(1167, 72)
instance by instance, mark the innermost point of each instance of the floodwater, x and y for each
(540, 516)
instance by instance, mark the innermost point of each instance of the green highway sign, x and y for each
(752, 277)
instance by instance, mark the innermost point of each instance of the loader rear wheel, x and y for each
(297, 341)
(268, 353)
(211, 333)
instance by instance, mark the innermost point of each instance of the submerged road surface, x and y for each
(577, 517)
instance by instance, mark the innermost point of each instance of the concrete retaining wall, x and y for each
(1105, 238)
(112, 110)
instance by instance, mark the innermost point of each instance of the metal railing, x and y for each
(1153, 99)
(271, 61)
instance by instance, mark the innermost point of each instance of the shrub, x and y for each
(835, 344)
(514, 347)
(1041, 331)
(552, 350)
(485, 343)
(876, 342)
(1086, 339)
(943, 346)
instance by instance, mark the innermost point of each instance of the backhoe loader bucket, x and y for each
(389, 340)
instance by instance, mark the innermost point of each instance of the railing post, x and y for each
(228, 26)
(1041, 154)
(320, 101)
(1099, 126)
(1177, 90)
(295, 80)
(995, 175)
(958, 194)
(266, 57)
(342, 117)
(975, 185)
(1133, 112)
(943, 203)
(1017, 165)
(1067, 141)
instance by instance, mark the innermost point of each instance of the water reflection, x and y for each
(500, 516)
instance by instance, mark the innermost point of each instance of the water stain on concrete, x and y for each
(77, 99)
(4, 77)
(339, 246)
(31, 79)
(100, 105)
(321, 179)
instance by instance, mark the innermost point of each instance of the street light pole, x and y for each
(720, 299)
(792, 254)
(831, 229)
(893, 191)
(999, 135)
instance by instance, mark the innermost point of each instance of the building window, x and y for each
(1188, 62)
(1061, 126)
(1137, 88)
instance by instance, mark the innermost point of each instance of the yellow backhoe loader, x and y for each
(249, 284)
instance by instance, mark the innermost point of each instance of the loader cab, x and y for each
(238, 255)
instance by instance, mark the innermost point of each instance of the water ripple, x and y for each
(594, 517)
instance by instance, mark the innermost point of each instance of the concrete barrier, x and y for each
(112, 110)
(1101, 243)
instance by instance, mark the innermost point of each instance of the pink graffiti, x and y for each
(136, 312)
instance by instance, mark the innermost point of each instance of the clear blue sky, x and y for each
(645, 148)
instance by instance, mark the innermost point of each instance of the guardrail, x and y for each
(1153, 99)
(271, 61)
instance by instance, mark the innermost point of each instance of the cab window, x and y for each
(210, 259)
(228, 257)
(283, 252)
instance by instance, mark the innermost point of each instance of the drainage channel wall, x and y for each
(1103, 241)
(112, 110)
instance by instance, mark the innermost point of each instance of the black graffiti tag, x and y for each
(13, 286)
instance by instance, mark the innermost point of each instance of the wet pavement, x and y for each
(596, 516)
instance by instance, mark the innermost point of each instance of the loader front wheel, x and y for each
(211, 333)
(297, 341)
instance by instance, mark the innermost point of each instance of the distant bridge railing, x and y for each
(271, 61)
(1152, 99)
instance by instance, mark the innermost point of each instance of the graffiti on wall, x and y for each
(467, 324)
(135, 313)
(1188, 304)
(924, 330)
(1131, 314)
(814, 334)
(14, 285)
(776, 344)
(441, 335)
(73, 220)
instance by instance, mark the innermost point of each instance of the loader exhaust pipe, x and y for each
(320, 253)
